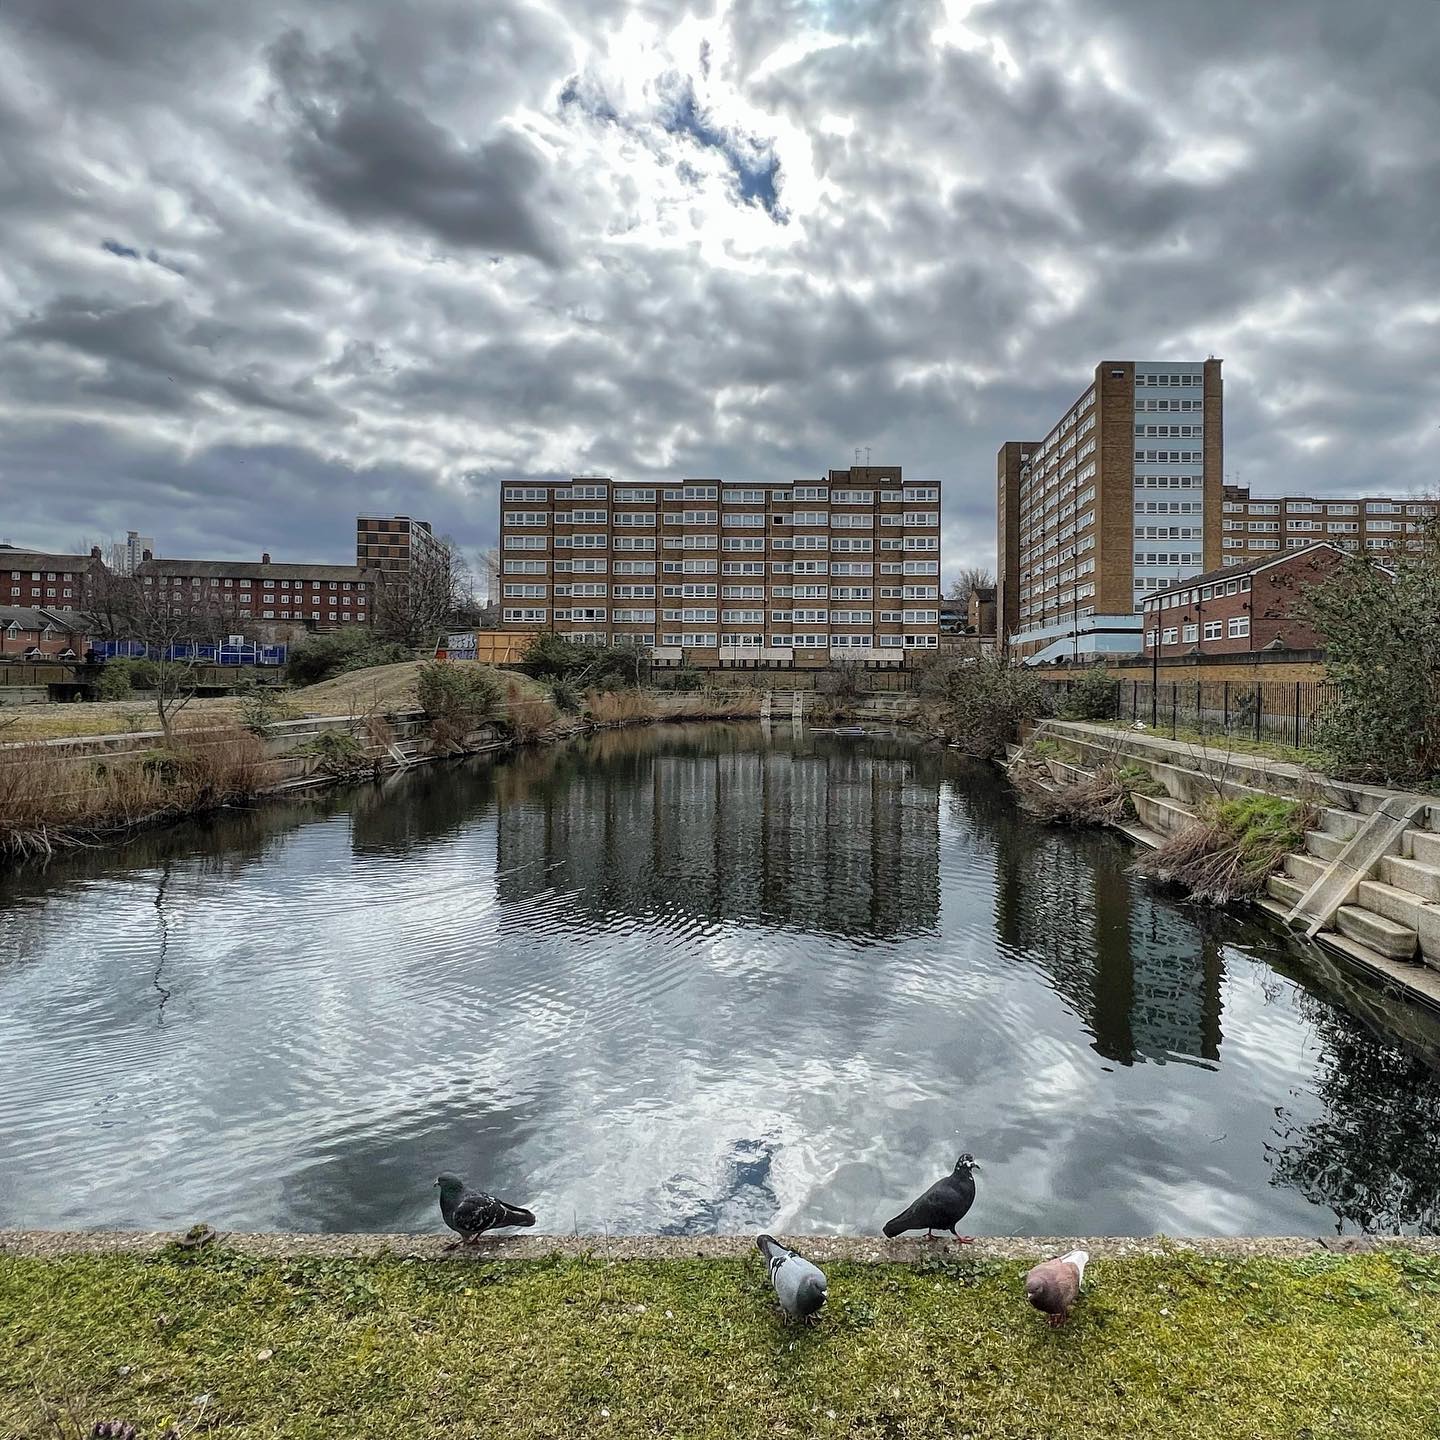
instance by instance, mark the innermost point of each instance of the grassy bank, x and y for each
(225, 1344)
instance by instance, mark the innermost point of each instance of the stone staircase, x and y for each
(1390, 915)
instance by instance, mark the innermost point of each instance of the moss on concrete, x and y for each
(1200, 1345)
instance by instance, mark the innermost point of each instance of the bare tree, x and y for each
(171, 622)
(972, 577)
(437, 590)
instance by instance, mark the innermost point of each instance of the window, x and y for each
(1170, 636)
(1213, 629)
(1239, 626)
(1191, 633)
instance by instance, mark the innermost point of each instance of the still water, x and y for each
(684, 980)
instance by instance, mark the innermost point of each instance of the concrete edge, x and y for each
(54, 1244)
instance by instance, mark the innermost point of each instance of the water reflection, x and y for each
(814, 833)
(684, 980)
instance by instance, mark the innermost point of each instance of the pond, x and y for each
(684, 980)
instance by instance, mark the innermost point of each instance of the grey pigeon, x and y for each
(942, 1207)
(799, 1286)
(470, 1213)
(1054, 1285)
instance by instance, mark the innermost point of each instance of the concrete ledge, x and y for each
(51, 1244)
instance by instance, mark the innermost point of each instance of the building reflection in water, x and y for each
(1143, 974)
(812, 833)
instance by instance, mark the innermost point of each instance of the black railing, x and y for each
(1283, 711)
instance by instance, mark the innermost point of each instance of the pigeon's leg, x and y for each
(453, 1245)
(1056, 1321)
(929, 1234)
(962, 1239)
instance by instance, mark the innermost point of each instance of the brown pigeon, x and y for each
(1054, 1285)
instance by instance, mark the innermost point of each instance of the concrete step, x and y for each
(1422, 845)
(1399, 942)
(1285, 890)
(1159, 813)
(1304, 868)
(1412, 875)
(1344, 823)
(1323, 846)
(1398, 905)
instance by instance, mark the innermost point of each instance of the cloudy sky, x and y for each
(266, 265)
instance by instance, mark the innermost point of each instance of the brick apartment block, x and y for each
(1119, 500)
(844, 567)
(1252, 527)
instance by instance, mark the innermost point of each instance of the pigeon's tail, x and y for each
(770, 1247)
(514, 1215)
(898, 1226)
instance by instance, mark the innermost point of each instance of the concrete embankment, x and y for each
(1366, 886)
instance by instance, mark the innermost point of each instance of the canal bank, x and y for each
(1204, 1342)
(1367, 884)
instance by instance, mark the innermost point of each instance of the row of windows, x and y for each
(1236, 628)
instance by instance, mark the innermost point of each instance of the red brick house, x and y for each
(28, 632)
(36, 578)
(1240, 609)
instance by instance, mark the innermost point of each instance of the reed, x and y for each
(50, 801)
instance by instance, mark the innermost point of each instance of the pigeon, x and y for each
(1054, 1285)
(470, 1213)
(800, 1286)
(942, 1207)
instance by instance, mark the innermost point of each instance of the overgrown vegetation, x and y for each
(586, 667)
(1233, 847)
(1381, 630)
(528, 717)
(337, 652)
(1103, 797)
(260, 710)
(618, 707)
(1094, 696)
(981, 705)
(295, 1349)
(49, 802)
(457, 696)
(339, 755)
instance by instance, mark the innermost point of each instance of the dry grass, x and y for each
(619, 707)
(707, 705)
(1233, 847)
(385, 689)
(111, 717)
(1098, 799)
(530, 716)
(48, 802)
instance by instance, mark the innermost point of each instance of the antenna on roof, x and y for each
(857, 454)
(867, 455)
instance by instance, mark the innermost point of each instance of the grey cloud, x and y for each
(375, 157)
(1261, 182)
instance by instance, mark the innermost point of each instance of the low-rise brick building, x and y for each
(27, 632)
(275, 598)
(1239, 609)
(39, 578)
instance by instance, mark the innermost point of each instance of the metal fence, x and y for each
(1287, 711)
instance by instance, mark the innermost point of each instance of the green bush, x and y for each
(566, 695)
(587, 667)
(984, 703)
(259, 709)
(336, 652)
(1094, 696)
(1381, 632)
(339, 753)
(457, 696)
(114, 681)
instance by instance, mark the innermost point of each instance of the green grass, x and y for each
(1184, 1345)
(1311, 759)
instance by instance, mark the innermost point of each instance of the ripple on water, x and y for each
(685, 981)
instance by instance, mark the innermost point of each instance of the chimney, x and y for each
(265, 557)
(147, 554)
(94, 552)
